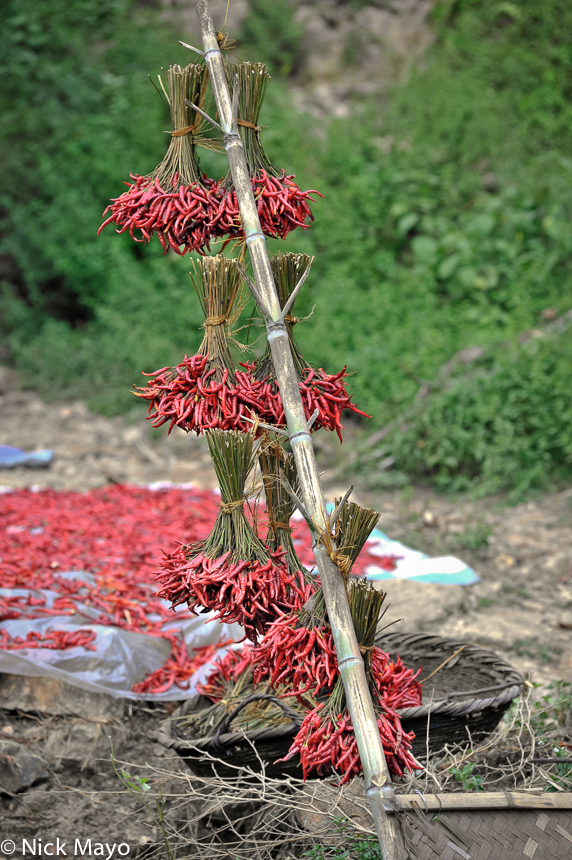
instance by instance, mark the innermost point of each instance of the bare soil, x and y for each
(521, 609)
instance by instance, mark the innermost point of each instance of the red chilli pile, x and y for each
(231, 573)
(320, 391)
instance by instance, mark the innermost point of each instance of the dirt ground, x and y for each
(521, 609)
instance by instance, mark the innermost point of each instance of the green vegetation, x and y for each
(468, 780)
(447, 224)
(354, 846)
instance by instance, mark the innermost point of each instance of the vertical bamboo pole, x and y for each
(378, 781)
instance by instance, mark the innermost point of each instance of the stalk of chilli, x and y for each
(320, 391)
(174, 201)
(231, 572)
(274, 462)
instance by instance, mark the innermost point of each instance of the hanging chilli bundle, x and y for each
(300, 647)
(326, 739)
(281, 204)
(231, 572)
(321, 392)
(200, 393)
(174, 201)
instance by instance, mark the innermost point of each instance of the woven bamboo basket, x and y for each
(464, 700)
(480, 833)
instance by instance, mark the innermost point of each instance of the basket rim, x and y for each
(443, 706)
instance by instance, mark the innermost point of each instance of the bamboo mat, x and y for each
(489, 834)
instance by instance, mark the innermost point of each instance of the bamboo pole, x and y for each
(486, 800)
(376, 774)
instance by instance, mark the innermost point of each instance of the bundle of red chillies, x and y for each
(282, 205)
(181, 205)
(231, 573)
(200, 393)
(298, 652)
(326, 741)
(175, 201)
(323, 393)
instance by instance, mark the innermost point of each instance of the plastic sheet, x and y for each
(121, 658)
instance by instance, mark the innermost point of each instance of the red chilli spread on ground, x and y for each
(113, 534)
(231, 572)
(174, 201)
(200, 393)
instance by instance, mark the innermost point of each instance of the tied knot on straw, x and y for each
(245, 124)
(221, 319)
(222, 294)
(343, 562)
(229, 507)
(366, 649)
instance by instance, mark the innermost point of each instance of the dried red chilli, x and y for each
(326, 741)
(180, 666)
(281, 204)
(229, 667)
(59, 640)
(175, 201)
(111, 532)
(321, 392)
(200, 393)
(231, 572)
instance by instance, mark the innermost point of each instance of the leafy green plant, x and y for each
(455, 196)
(560, 774)
(139, 786)
(464, 775)
(536, 650)
(475, 537)
(553, 709)
(270, 32)
(505, 426)
(486, 602)
(354, 847)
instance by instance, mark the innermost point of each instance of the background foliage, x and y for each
(446, 224)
